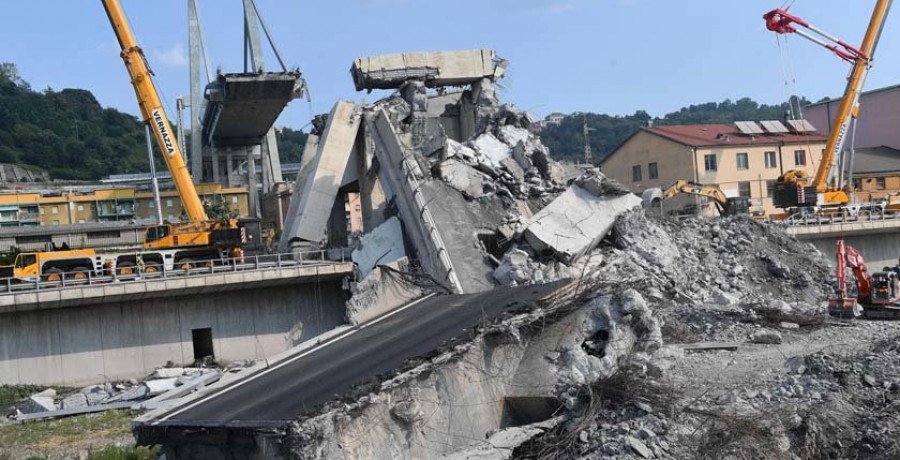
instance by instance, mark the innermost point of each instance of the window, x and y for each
(80, 208)
(636, 173)
(744, 189)
(169, 203)
(80, 221)
(156, 233)
(800, 157)
(56, 222)
(710, 162)
(652, 172)
(743, 161)
(234, 200)
(152, 204)
(770, 187)
(857, 184)
(771, 161)
(879, 183)
(55, 210)
(25, 260)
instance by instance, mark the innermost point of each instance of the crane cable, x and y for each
(784, 76)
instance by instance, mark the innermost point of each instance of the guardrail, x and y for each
(844, 216)
(259, 262)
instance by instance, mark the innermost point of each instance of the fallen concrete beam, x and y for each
(307, 162)
(326, 173)
(442, 68)
(171, 396)
(76, 411)
(398, 173)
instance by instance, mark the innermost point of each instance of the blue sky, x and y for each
(608, 56)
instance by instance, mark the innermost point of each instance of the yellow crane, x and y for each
(791, 187)
(200, 232)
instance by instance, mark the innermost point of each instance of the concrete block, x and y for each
(457, 150)
(168, 372)
(75, 401)
(575, 222)
(441, 68)
(380, 247)
(492, 149)
(462, 177)
(160, 386)
(37, 403)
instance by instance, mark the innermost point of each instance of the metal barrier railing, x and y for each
(843, 216)
(259, 262)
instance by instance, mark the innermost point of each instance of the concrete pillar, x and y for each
(253, 191)
(198, 64)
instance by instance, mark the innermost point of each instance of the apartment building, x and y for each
(56, 207)
(742, 161)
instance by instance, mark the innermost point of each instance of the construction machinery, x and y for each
(166, 246)
(794, 188)
(727, 206)
(876, 295)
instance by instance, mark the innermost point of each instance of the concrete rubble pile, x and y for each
(718, 321)
(165, 386)
(675, 332)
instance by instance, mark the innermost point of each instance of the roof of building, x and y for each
(864, 93)
(720, 135)
(876, 160)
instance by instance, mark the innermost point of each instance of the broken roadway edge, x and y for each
(270, 399)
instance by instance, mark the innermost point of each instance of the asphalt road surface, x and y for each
(287, 391)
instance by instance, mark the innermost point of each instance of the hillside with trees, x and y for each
(70, 135)
(566, 141)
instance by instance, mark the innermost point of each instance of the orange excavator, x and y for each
(877, 295)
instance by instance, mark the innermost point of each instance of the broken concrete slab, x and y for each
(38, 403)
(76, 411)
(181, 391)
(168, 372)
(457, 150)
(462, 177)
(442, 68)
(575, 222)
(160, 386)
(381, 246)
(309, 222)
(492, 149)
(75, 401)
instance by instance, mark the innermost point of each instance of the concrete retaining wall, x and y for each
(129, 339)
(882, 250)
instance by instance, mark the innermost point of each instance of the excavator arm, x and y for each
(710, 191)
(782, 22)
(153, 111)
(848, 257)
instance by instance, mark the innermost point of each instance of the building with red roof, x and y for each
(742, 160)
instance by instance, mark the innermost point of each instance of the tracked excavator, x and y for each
(876, 295)
(794, 189)
(725, 205)
(166, 246)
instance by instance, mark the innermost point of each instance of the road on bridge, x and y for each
(296, 385)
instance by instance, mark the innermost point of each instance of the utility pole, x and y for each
(588, 156)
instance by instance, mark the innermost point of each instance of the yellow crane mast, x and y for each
(153, 111)
(790, 187)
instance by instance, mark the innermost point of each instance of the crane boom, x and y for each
(152, 110)
(780, 21)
